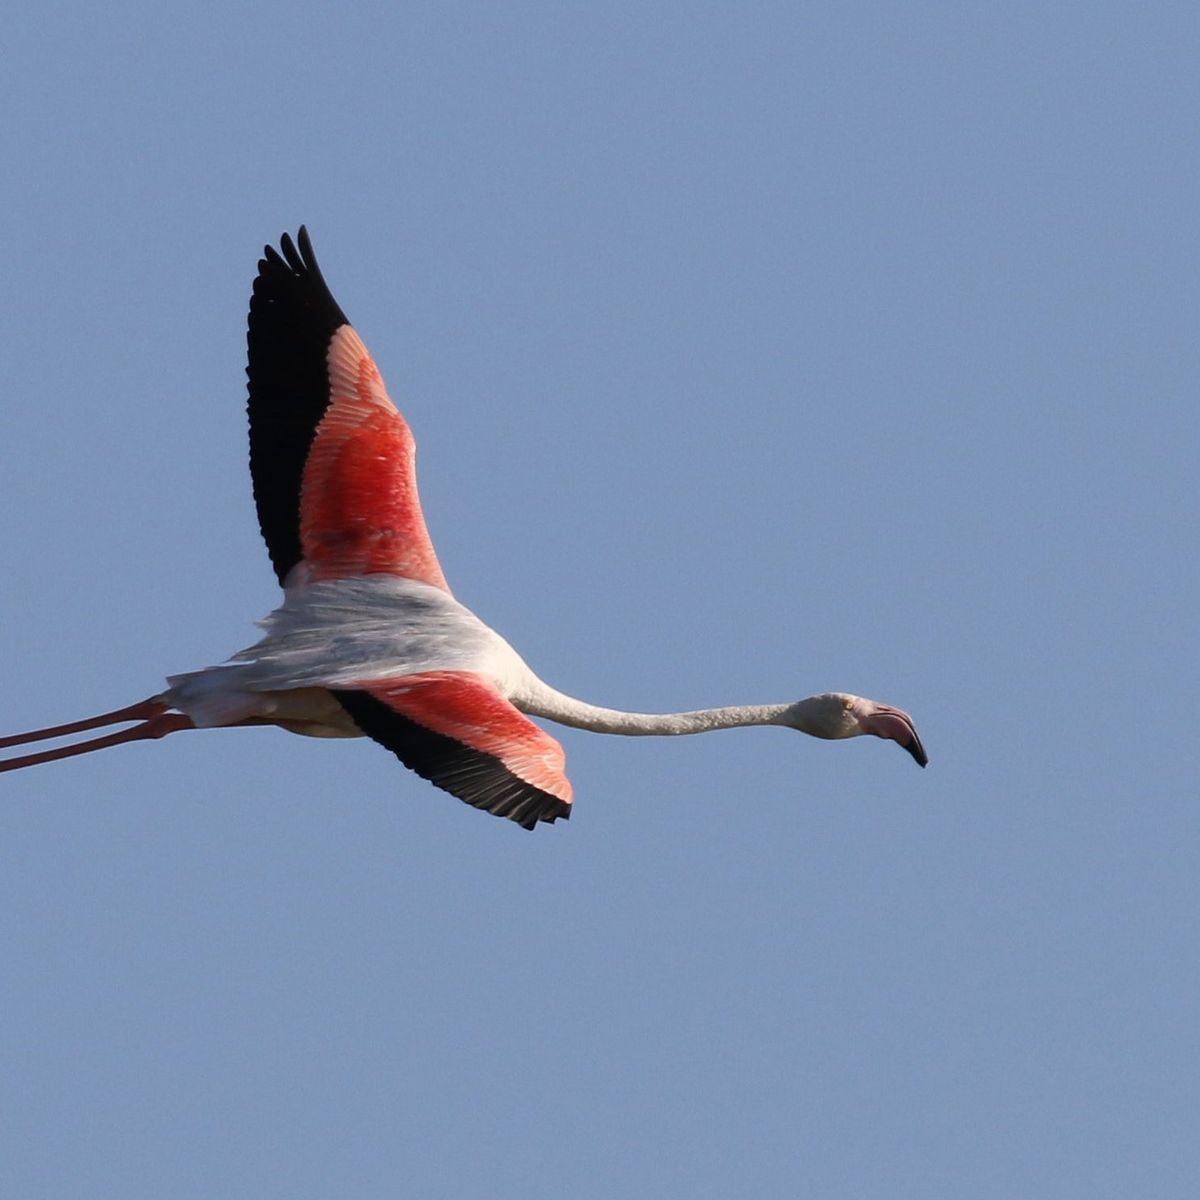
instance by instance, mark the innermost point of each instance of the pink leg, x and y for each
(145, 710)
(158, 725)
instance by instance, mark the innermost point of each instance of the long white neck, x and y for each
(540, 700)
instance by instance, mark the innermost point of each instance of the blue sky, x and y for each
(752, 351)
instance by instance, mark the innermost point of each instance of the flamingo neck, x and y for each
(544, 701)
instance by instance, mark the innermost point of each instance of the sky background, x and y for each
(753, 351)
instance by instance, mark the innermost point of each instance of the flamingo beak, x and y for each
(915, 748)
(897, 726)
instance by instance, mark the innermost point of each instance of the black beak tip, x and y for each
(918, 752)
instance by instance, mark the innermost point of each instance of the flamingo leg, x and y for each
(158, 725)
(144, 710)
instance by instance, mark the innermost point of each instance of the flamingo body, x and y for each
(369, 641)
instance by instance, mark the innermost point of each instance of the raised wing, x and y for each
(332, 460)
(454, 729)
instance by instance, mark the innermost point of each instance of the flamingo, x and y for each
(369, 641)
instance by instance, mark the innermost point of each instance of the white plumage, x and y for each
(341, 633)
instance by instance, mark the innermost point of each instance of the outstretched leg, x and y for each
(144, 710)
(154, 717)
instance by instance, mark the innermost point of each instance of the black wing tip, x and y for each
(288, 249)
(296, 257)
(299, 260)
(526, 805)
(306, 250)
(299, 253)
(292, 318)
(536, 810)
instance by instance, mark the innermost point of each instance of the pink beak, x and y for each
(897, 726)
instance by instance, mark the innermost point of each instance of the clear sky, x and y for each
(752, 350)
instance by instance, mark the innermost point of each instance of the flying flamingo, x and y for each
(369, 640)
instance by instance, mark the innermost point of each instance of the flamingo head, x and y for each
(836, 715)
